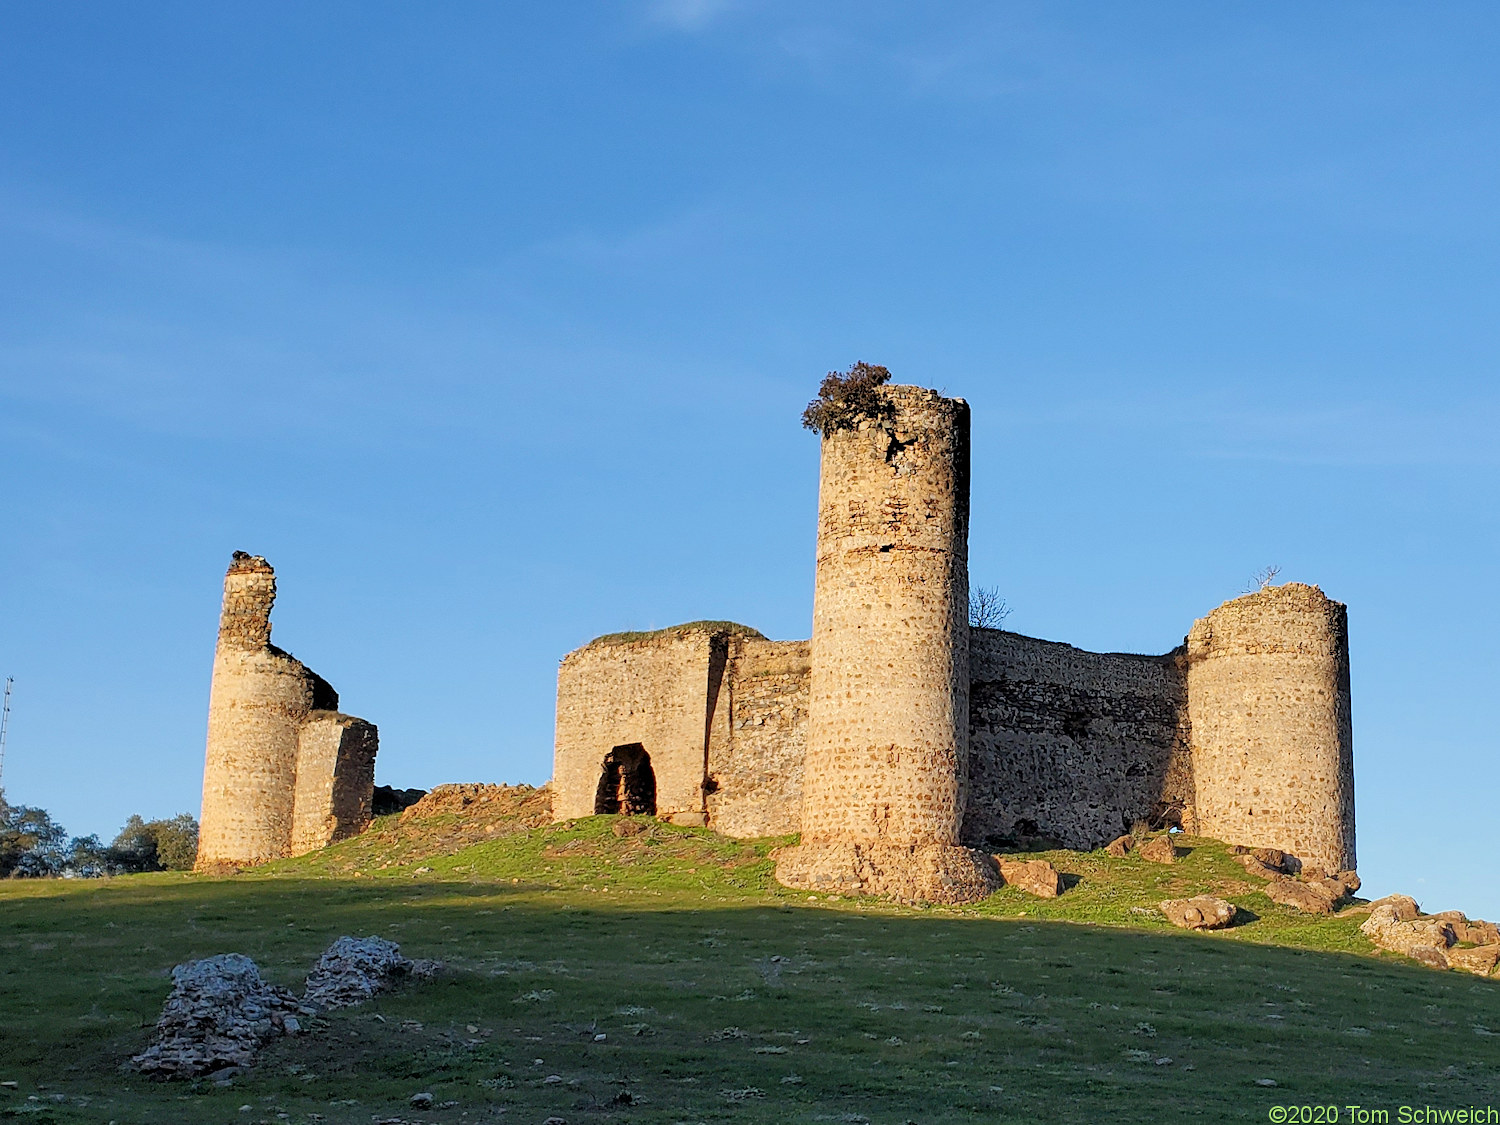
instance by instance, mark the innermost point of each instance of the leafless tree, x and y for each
(987, 609)
(1262, 579)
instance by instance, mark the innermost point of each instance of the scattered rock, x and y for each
(1404, 907)
(1395, 923)
(1481, 960)
(1311, 898)
(624, 826)
(1159, 850)
(1120, 846)
(1201, 912)
(421, 1101)
(1257, 868)
(1333, 888)
(1275, 859)
(1034, 876)
(219, 1014)
(1350, 879)
(1430, 955)
(352, 970)
(1476, 932)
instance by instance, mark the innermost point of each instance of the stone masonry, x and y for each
(284, 771)
(887, 741)
(898, 739)
(1269, 712)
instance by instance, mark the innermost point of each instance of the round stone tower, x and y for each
(887, 752)
(1272, 741)
(258, 700)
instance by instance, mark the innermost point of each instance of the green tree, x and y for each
(155, 845)
(32, 844)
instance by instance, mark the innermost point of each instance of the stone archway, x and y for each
(627, 783)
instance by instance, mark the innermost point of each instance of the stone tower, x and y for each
(884, 783)
(284, 771)
(1272, 742)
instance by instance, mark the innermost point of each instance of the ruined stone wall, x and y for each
(335, 780)
(758, 743)
(1073, 745)
(888, 705)
(259, 699)
(659, 690)
(1272, 740)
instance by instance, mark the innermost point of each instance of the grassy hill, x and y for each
(664, 976)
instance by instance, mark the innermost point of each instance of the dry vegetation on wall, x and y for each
(678, 630)
(846, 397)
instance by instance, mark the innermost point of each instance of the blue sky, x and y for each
(489, 325)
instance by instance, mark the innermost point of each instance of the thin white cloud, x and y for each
(688, 15)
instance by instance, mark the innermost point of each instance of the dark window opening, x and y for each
(627, 784)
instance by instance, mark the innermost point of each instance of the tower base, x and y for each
(941, 873)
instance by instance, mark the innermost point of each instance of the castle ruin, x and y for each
(285, 772)
(900, 742)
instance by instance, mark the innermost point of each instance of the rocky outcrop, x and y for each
(1442, 940)
(1201, 912)
(352, 970)
(1034, 876)
(1159, 850)
(1479, 960)
(1396, 923)
(220, 1014)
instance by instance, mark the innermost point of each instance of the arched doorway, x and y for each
(628, 783)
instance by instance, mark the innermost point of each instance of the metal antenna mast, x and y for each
(4, 726)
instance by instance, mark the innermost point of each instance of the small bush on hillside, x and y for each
(844, 398)
(155, 845)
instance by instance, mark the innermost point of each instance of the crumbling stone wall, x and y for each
(659, 690)
(260, 701)
(897, 734)
(887, 744)
(1071, 744)
(333, 799)
(758, 739)
(1272, 737)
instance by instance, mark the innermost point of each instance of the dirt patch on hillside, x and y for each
(447, 820)
(517, 808)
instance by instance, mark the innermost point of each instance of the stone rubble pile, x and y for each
(1293, 883)
(1396, 923)
(352, 970)
(221, 1012)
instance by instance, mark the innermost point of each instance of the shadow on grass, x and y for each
(701, 1009)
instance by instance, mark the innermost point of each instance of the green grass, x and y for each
(667, 943)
